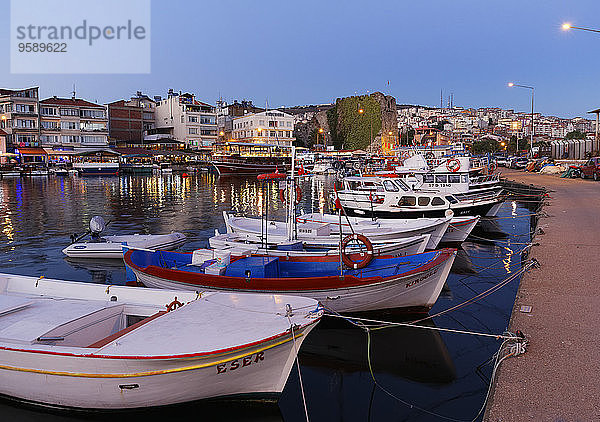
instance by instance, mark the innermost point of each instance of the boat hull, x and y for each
(416, 290)
(113, 248)
(101, 384)
(459, 229)
(248, 168)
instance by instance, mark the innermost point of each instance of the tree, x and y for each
(576, 134)
(485, 145)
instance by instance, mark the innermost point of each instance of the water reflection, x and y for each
(438, 372)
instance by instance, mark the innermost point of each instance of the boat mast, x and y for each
(292, 200)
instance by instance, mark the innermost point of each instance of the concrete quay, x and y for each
(557, 378)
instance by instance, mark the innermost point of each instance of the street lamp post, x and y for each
(511, 84)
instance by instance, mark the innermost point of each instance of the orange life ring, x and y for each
(298, 194)
(346, 257)
(453, 165)
(173, 305)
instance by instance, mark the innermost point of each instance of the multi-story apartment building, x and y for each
(227, 112)
(187, 120)
(272, 127)
(130, 120)
(19, 117)
(72, 122)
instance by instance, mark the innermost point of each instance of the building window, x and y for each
(49, 124)
(94, 114)
(49, 111)
(193, 119)
(69, 112)
(68, 125)
(193, 131)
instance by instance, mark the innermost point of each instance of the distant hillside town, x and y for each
(181, 121)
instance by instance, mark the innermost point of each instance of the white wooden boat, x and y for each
(89, 346)
(318, 234)
(458, 229)
(239, 245)
(111, 246)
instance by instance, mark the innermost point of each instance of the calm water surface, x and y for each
(427, 375)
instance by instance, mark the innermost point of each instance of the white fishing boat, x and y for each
(93, 245)
(458, 229)
(240, 245)
(315, 234)
(389, 197)
(89, 346)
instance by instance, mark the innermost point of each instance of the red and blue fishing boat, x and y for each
(351, 282)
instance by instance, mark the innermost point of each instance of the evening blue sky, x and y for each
(311, 52)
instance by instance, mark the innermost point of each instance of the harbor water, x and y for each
(399, 373)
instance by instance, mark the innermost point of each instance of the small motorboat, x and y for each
(362, 283)
(97, 246)
(96, 347)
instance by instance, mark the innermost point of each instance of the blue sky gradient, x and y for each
(311, 52)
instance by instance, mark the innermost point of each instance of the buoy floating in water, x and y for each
(185, 175)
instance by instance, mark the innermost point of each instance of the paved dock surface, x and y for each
(558, 378)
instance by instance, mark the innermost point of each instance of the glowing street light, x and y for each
(567, 26)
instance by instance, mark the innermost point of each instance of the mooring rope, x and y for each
(289, 313)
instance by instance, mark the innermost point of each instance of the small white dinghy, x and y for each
(90, 346)
(111, 246)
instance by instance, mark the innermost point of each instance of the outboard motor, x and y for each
(97, 226)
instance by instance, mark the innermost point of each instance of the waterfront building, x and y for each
(129, 121)
(72, 123)
(227, 112)
(183, 118)
(19, 117)
(268, 127)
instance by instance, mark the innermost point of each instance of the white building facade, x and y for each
(189, 121)
(272, 127)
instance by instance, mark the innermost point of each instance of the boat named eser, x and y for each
(89, 346)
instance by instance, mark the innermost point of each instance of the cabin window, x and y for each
(402, 185)
(464, 178)
(454, 178)
(390, 187)
(437, 201)
(423, 201)
(428, 178)
(407, 201)
(441, 178)
(452, 199)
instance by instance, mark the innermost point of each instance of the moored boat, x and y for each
(97, 246)
(88, 346)
(235, 242)
(412, 282)
(458, 229)
(324, 233)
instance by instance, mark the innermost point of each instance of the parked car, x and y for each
(517, 163)
(591, 168)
